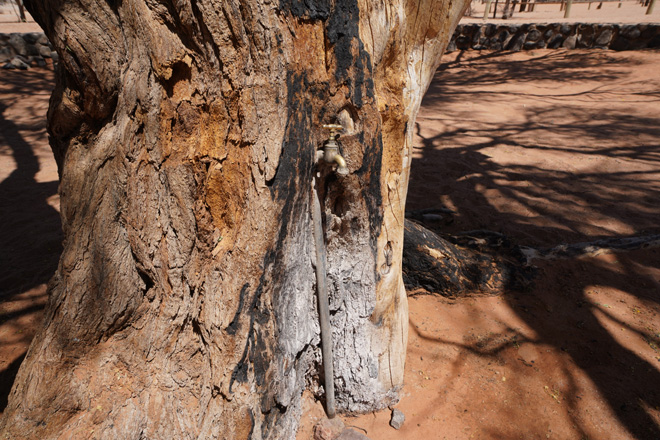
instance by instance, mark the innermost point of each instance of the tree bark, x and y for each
(185, 134)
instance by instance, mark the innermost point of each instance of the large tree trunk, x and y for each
(185, 133)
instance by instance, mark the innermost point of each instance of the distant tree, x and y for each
(21, 11)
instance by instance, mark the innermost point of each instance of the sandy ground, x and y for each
(610, 12)
(546, 147)
(9, 20)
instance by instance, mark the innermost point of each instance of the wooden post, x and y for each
(567, 12)
(495, 10)
(649, 11)
(487, 10)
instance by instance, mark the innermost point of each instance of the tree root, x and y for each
(485, 262)
(452, 270)
(592, 248)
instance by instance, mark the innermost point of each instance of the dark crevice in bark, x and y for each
(206, 35)
(146, 279)
(234, 325)
(180, 72)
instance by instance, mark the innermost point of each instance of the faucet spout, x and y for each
(342, 169)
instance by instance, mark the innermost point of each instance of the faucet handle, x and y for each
(334, 128)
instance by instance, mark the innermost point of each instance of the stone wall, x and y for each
(20, 51)
(515, 37)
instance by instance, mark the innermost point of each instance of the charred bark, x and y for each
(185, 134)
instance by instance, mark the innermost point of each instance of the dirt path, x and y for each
(546, 147)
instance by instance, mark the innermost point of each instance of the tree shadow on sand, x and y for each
(30, 237)
(534, 203)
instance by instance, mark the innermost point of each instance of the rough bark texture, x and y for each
(450, 270)
(185, 133)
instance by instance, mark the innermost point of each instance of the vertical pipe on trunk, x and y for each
(324, 309)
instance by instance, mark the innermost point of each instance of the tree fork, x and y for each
(185, 135)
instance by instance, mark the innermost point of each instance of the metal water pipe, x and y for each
(330, 154)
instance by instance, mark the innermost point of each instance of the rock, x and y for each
(32, 37)
(351, 434)
(649, 32)
(16, 63)
(569, 42)
(6, 54)
(654, 43)
(43, 40)
(328, 429)
(584, 41)
(566, 29)
(451, 47)
(586, 33)
(534, 35)
(620, 43)
(40, 62)
(516, 43)
(18, 43)
(397, 419)
(32, 50)
(604, 38)
(479, 40)
(504, 35)
(44, 51)
(556, 41)
(55, 56)
(463, 42)
(529, 45)
(490, 30)
(481, 44)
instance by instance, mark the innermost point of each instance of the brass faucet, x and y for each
(330, 151)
